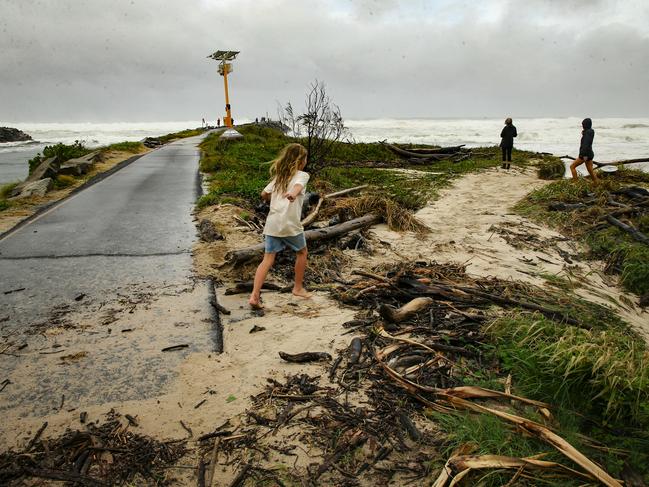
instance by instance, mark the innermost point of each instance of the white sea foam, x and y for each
(615, 138)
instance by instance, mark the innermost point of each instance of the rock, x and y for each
(9, 134)
(46, 169)
(231, 134)
(79, 166)
(35, 188)
(151, 142)
(208, 231)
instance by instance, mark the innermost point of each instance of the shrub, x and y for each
(133, 147)
(64, 180)
(62, 152)
(5, 189)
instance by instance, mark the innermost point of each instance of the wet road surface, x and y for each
(133, 228)
(92, 290)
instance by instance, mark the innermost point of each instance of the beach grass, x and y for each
(133, 147)
(239, 168)
(596, 380)
(625, 256)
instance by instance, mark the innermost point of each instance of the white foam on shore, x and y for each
(615, 138)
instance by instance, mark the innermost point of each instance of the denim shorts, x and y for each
(272, 245)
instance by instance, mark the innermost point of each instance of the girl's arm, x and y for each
(297, 189)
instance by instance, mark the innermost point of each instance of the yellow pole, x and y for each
(227, 120)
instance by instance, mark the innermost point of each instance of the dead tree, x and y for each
(321, 126)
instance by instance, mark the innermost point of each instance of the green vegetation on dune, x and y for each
(5, 190)
(597, 382)
(62, 152)
(239, 168)
(180, 135)
(134, 147)
(624, 255)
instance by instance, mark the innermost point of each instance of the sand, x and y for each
(470, 223)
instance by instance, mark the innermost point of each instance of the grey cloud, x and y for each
(146, 60)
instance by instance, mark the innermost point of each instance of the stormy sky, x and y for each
(145, 60)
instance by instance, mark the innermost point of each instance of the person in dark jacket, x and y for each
(586, 153)
(507, 143)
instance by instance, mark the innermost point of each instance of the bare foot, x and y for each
(302, 293)
(255, 303)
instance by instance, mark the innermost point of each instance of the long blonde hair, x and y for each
(286, 165)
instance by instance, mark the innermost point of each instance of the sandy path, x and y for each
(472, 222)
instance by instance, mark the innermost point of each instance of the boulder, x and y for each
(151, 142)
(78, 166)
(208, 231)
(34, 188)
(9, 134)
(46, 169)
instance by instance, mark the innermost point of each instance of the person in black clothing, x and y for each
(586, 153)
(507, 143)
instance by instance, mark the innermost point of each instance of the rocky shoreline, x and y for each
(10, 134)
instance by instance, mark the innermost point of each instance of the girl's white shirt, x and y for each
(284, 218)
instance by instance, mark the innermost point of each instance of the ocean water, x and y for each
(14, 155)
(615, 138)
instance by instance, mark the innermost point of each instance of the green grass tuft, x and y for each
(551, 168)
(134, 147)
(604, 373)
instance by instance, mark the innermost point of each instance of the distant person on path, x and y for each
(283, 225)
(507, 143)
(203, 123)
(218, 122)
(586, 153)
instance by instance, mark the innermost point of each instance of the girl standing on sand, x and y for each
(507, 143)
(283, 225)
(586, 153)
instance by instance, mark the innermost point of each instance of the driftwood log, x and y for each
(305, 357)
(415, 157)
(310, 218)
(440, 150)
(635, 233)
(614, 163)
(406, 311)
(249, 253)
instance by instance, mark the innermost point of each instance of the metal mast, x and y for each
(225, 67)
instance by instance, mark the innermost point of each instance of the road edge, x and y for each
(91, 182)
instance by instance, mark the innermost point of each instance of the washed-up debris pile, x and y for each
(369, 417)
(99, 454)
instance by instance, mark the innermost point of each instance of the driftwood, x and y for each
(635, 233)
(441, 150)
(305, 357)
(249, 253)
(310, 218)
(560, 206)
(246, 287)
(406, 311)
(416, 157)
(614, 163)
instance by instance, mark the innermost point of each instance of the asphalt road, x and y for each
(134, 228)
